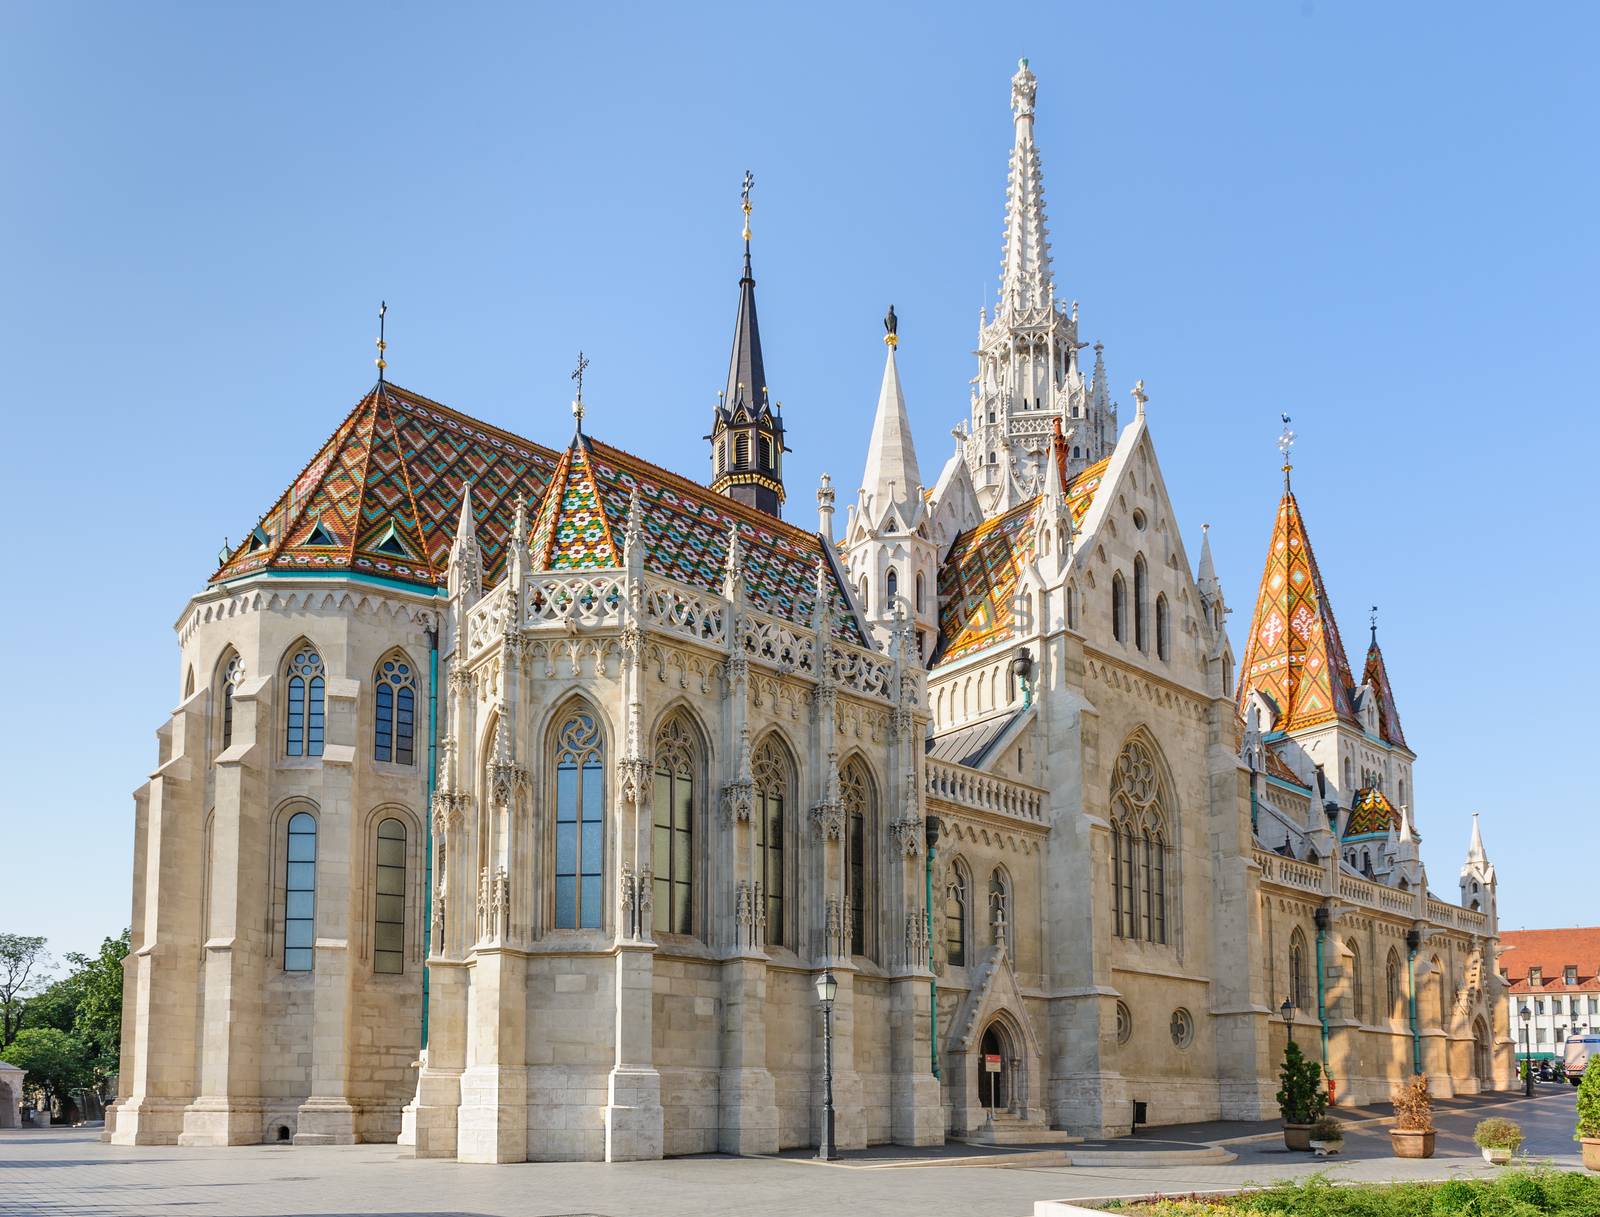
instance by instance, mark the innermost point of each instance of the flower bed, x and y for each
(1516, 1193)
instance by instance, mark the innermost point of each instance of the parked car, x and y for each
(1579, 1049)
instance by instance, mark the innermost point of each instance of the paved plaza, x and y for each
(70, 1173)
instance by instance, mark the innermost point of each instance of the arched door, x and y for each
(1482, 1058)
(994, 1084)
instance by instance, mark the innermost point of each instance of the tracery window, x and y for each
(580, 820)
(1119, 608)
(677, 769)
(231, 676)
(395, 722)
(855, 790)
(1000, 907)
(300, 893)
(1139, 841)
(771, 772)
(1297, 970)
(955, 915)
(303, 721)
(1141, 581)
(389, 902)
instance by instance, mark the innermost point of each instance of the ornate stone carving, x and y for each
(633, 779)
(827, 818)
(626, 884)
(907, 834)
(738, 802)
(916, 940)
(833, 926)
(646, 901)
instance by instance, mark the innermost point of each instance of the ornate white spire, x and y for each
(465, 575)
(1025, 278)
(891, 477)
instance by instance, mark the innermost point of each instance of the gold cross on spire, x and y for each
(577, 402)
(744, 196)
(383, 312)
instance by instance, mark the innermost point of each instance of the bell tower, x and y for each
(746, 430)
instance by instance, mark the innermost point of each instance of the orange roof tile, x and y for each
(1551, 951)
(1293, 653)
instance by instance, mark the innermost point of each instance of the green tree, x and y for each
(1589, 1102)
(23, 965)
(1301, 1099)
(56, 1062)
(97, 987)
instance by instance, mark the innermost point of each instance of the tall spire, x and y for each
(1375, 674)
(746, 431)
(1025, 278)
(1206, 578)
(891, 477)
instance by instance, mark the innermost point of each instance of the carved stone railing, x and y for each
(1306, 877)
(1290, 873)
(486, 620)
(588, 598)
(980, 791)
(859, 670)
(680, 609)
(777, 643)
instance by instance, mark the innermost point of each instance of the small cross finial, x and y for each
(1139, 396)
(577, 402)
(1374, 620)
(383, 313)
(1285, 444)
(744, 200)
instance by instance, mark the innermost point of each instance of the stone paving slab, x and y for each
(71, 1173)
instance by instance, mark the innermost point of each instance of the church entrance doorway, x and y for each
(1482, 1058)
(994, 1069)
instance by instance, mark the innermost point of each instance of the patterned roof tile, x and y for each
(1377, 675)
(1371, 814)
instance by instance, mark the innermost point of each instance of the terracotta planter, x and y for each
(1410, 1144)
(1496, 1155)
(1297, 1136)
(1591, 1153)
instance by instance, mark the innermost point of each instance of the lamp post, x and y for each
(827, 990)
(1526, 1014)
(1286, 1012)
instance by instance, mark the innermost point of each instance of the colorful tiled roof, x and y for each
(1294, 654)
(1371, 814)
(978, 579)
(386, 489)
(1376, 675)
(1551, 951)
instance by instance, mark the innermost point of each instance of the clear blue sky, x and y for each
(1379, 218)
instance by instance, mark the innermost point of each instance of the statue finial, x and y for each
(891, 326)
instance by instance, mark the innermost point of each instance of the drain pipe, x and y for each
(931, 829)
(427, 834)
(1413, 942)
(1324, 916)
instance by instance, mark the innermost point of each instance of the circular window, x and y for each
(1124, 1023)
(1138, 519)
(1182, 1028)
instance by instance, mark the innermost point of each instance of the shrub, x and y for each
(1498, 1133)
(1327, 1129)
(1522, 1186)
(1588, 1104)
(1301, 1099)
(1455, 1198)
(1413, 1105)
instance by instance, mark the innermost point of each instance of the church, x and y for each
(517, 796)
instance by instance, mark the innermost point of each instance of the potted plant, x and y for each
(1412, 1134)
(1588, 1130)
(1327, 1137)
(1301, 1099)
(1498, 1138)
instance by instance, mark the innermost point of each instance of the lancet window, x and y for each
(389, 903)
(1119, 608)
(1297, 970)
(956, 895)
(395, 721)
(1140, 837)
(580, 771)
(677, 778)
(232, 674)
(303, 717)
(300, 893)
(1141, 604)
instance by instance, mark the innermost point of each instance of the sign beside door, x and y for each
(991, 1062)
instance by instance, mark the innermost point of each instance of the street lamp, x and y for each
(1527, 1052)
(827, 990)
(1286, 1012)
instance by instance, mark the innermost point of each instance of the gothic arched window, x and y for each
(232, 674)
(955, 915)
(1000, 907)
(1119, 608)
(1163, 628)
(389, 903)
(1392, 985)
(1358, 999)
(580, 767)
(303, 720)
(1072, 607)
(741, 450)
(300, 894)
(766, 452)
(1141, 609)
(395, 702)
(1297, 970)
(863, 593)
(1441, 1011)
(672, 851)
(772, 771)
(921, 590)
(855, 790)
(891, 588)
(1140, 834)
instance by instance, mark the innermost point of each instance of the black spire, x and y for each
(746, 431)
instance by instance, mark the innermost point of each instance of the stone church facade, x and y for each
(516, 795)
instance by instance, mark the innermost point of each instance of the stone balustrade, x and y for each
(980, 791)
